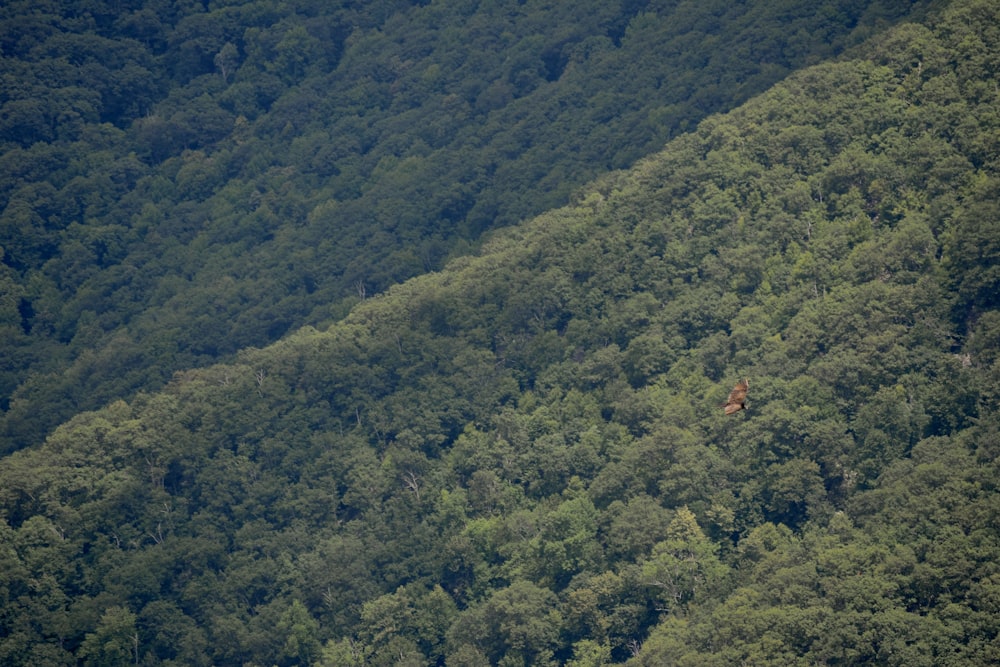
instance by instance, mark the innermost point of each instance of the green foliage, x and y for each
(519, 459)
(181, 181)
(113, 642)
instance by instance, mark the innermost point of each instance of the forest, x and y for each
(181, 180)
(511, 450)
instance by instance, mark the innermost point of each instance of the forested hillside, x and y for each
(521, 459)
(182, 180)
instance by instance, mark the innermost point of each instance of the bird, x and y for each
(737, 398)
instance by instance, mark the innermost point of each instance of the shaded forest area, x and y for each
(179, 181)
(521, 459)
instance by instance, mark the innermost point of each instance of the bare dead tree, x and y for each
(411, 481)
(226, 60)
(158, 536)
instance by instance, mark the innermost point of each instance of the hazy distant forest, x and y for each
(397, 333)
(182, 181)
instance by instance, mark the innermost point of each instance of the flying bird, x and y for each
(737, 398)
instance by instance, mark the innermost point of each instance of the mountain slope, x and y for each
(520, 459)
(183, 181)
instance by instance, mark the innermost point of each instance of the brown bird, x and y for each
(737, 398)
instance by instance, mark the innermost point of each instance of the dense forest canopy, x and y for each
(183, 180)
(521, 458)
